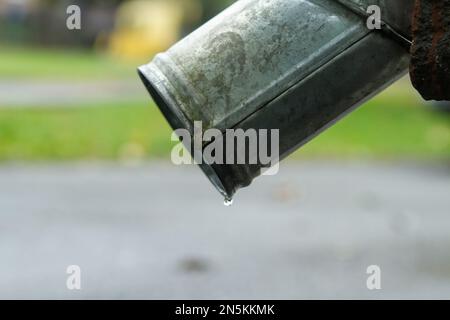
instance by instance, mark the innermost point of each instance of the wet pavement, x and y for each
(159, 231)
(53, 93)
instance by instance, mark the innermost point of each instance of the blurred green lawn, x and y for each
(383, 128)
(394, 125)
(65, 64)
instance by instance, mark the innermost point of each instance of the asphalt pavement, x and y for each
(154, 230)
(52, 93)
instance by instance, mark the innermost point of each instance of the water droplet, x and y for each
(228, 202)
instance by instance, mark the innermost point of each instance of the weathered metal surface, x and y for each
(430, 52)
(293, 65)
(321, 99)
(254, 50)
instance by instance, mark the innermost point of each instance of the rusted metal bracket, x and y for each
(430, 50)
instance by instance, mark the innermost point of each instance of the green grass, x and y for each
(35, 63)
(383, 128)
(386, 128)
(90, 132)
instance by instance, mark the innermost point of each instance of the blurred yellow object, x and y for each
(146, 27)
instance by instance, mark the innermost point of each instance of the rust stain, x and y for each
(430, 61)
(438, 34)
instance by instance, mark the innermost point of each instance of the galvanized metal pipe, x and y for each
(293, 65)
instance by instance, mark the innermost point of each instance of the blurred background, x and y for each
(86, 178)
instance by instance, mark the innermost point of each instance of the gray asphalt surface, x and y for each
(158, 231)
(51, 93)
